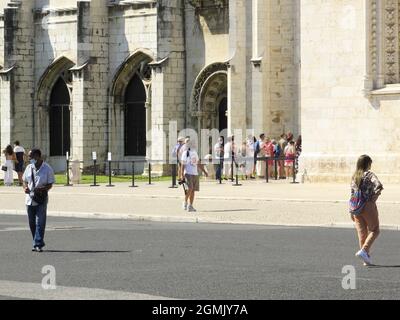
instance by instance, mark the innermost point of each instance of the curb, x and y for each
(172, 219)
(214, 198)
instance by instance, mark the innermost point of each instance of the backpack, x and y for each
(357, 202)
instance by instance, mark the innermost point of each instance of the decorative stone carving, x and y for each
(391, 38)
(198, 4)
(384, 45)
(201, 79)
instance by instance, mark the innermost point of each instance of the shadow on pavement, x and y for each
(382, 267)
(84, 251)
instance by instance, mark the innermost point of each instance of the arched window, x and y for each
(59, 116)
(135, 118)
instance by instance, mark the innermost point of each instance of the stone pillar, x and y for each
(17, 85)
(237, 73)
(168, 82)
(90, 82)
(260, 66)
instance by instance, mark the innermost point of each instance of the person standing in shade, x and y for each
(367, 222)
(10, 160)
(20, 155)
(38, 179)
(177, 154)
(219, 157)
(192, 165)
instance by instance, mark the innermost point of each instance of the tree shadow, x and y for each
(86, 251)
(377, 266)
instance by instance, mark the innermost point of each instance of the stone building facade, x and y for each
(110, 76)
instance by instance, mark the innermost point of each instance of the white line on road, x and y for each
(25, 290)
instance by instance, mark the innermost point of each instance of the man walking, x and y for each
(38, 179)
(191, 164)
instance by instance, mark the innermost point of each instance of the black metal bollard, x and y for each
(237, 176)
(276, 169)
(109, 175)
(133, 175)
(150, 173)
(68, 184)
(221, 169)
(233, 160)
(294, 171)
(174, 173)
(94, 174)
(266, 170)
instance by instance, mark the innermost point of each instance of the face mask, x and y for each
(33, 161)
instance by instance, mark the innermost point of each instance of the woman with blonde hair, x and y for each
(367, 187)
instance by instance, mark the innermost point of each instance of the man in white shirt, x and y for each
(191, 165)
(38, 180)
(219, 158)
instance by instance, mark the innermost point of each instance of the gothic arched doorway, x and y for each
(135, 118)
(209, 101)
(59, 119)
(222, 114)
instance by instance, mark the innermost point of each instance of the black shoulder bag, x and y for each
(39, 196)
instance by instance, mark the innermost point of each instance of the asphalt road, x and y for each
(114, 259)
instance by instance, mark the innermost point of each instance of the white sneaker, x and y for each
(185, 206)
(191, 209)
(363, 255)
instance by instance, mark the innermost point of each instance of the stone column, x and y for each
(237, 73)
(259, 66)
(168, 82)
(17, 85)
(90, 84)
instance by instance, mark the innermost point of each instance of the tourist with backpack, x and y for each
(365, 191)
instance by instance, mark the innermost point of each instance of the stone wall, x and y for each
(17, 116)
(207, 42)
(281, 67)
(338, 122)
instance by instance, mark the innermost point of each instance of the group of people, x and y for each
(38, 179)
(250, 158)
(15, 159)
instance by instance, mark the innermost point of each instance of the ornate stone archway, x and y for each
(209, 89)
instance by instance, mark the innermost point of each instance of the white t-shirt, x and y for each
(228, 150)
(18, 149)
(190, 162)
(218, 151)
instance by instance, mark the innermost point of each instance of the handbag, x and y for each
(4, 168)
(38, 196)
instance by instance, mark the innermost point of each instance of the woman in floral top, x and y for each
(367, 223)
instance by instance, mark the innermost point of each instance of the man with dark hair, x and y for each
(38, 179)
(19, 165)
